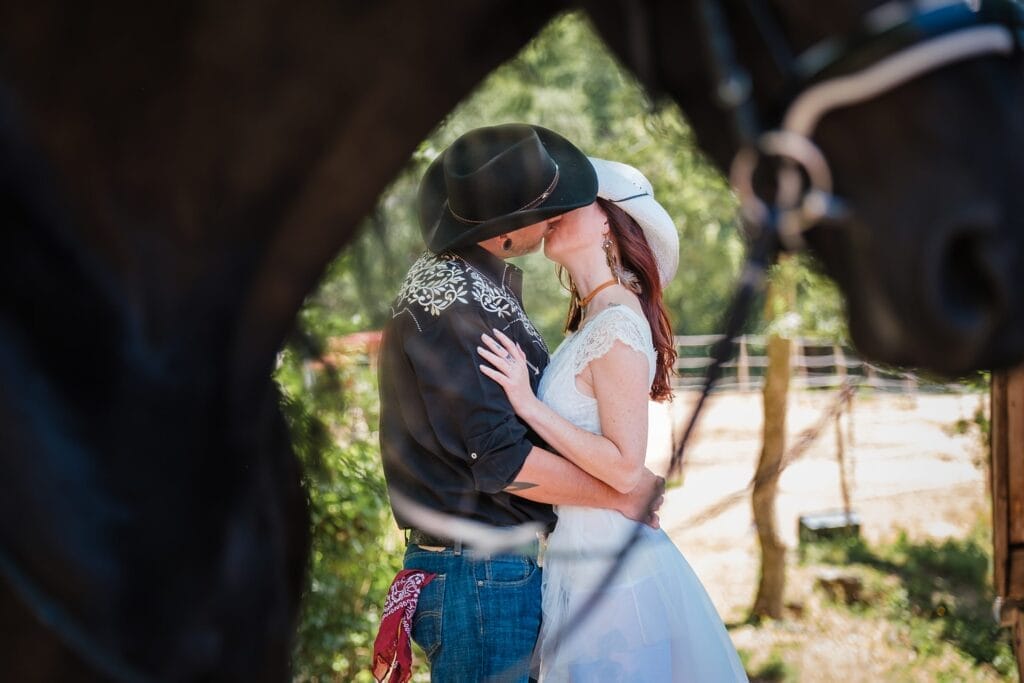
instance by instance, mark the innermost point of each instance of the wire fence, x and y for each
(814, 364)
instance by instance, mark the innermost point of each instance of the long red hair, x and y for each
(636, 256)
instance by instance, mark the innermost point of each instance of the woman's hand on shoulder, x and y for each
(508, 366)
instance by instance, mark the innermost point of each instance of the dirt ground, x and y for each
(910, 471)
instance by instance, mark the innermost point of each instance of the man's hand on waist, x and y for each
(643, 502)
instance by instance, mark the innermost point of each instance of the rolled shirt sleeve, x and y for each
(468, 412)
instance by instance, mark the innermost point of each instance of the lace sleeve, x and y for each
(613, 324)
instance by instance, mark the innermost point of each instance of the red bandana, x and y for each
(391, 650)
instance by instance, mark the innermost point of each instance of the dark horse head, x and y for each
(175, 178)
(930, 254)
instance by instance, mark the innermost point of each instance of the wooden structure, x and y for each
(815, 363)
(1007, 482)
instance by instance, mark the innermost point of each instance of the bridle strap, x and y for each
(806, 111)
(812, 104)
(732, 83)
(893, 27)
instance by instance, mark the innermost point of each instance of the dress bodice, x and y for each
(558, 388)
(654, 621)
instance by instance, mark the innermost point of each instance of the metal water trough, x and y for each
(820, 526)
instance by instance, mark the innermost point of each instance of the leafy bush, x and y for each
(774, 669)
(333, 415)
(940, 591)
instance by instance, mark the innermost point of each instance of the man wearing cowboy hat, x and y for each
(450, 440)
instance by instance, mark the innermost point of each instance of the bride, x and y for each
(654, 621)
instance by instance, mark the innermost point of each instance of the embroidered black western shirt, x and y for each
(449, 437)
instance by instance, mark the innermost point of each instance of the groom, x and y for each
(450, 440)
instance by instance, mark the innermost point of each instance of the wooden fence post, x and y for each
(797, 362)
(849, 419)
(872, 376)
(844, 486)
(1006, 477)
(743, 366)
(839, 360)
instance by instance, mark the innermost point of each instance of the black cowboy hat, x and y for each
(498, 179)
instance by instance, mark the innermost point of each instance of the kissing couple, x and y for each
(479, 422)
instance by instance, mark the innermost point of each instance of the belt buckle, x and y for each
(413, 534)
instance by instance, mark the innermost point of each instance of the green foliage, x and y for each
(940, 591)
(355, 550)
(774, 669)
(980, 426)
(840, 550)
(809, 303)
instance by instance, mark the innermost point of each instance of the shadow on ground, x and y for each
(941, 590)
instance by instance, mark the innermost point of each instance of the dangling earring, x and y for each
(609, 255)
(625, 277)
(507, 244)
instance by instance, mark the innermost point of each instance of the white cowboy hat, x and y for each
(632, 192)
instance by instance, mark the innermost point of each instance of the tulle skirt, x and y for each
(655, 622)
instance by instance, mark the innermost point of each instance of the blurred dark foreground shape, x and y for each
(174, 178)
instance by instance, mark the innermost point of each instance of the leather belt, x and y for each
(421, 538)
(417, 537)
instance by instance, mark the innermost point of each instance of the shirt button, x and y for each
(473, 455)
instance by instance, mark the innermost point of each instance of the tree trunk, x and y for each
(773, 552)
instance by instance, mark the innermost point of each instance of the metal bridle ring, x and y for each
(799, 206)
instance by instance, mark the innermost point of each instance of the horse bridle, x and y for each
(895, 43)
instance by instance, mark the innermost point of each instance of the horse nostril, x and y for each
(970, 295)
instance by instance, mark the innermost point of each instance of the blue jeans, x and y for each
(478, 620)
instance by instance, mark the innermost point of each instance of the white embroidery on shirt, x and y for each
(437, 281)
(434, 283)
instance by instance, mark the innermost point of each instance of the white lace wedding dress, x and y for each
(655, 622)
